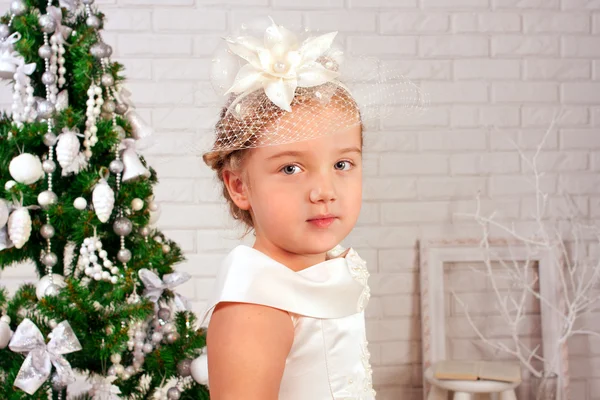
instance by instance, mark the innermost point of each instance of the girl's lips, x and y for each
(322, 222)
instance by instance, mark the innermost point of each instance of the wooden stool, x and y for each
(464, 390)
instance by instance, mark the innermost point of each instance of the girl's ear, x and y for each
(237, 189)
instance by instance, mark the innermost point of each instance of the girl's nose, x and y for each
(323, 190)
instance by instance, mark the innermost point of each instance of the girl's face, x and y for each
(291, 184)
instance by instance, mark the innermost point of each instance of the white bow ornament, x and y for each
(41, 356)
(155, 286)
(62, 32)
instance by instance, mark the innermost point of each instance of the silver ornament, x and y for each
(108, 50)
(49, 259)
(93, 22)
(172, 337)
(121, 108)
(59, 383)
(166, 248)
(119, 131)
(173, 393)
(137, 204)
(116, 166)
(48, 78)
(97, 50)
(4, 31)
(50, 139)
(183, 368)
(18, 7)
(107, 80)
(164, 314)
(45, 109)
(122, 226)
(124, 255)
(47, 23)
(87, 2)
(145, 231)
(47, 198)
(109, 106)
(47, 231)
(49, 166)
(52, 290)
(45, 51)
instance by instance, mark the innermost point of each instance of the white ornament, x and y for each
(9, 185)
(89, 263)
(199, 369)
(42, 285)
(103, 199)
(67, 152)
(154, 213)
(4, 212)
(80, 203)
(5, 332)
(19, 226)
(26, 168)
(136, 204)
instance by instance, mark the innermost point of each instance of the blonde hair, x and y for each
(233, 160)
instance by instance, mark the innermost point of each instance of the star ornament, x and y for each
(279, 64)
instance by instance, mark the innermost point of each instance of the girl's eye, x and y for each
(342, 164)
(289, 169)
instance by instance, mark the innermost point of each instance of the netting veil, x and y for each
(280, 87)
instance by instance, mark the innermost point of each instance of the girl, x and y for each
(287, 314)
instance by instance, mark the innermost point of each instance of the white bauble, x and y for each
(26, 168)
(103, 199)
(19, 227)
(4, 212)
(199, 369)
(42, 285)
(67, 148)
(5, 333)
(9, 185)
(154, 213)
(137, 204)
(80, 203)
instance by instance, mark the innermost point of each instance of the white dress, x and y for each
(329, 358)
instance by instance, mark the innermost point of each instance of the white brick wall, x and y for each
(496, 69)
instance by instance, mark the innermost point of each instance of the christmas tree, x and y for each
(76, 199)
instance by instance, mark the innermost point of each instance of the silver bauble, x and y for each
(109, 106)
(97, 50)
(50, 139)
(52, 290)
(45, 51)
(173, 393)
(45, 109)
(145, 231)
(164, 314)
(183, 368)
(116, 166)
(49, 259)
(59, 382)
(108, 50)
(48, 78)
(47, 23)
(47, 231)
(18, 7)
(124, 255)
(87, 2)
(44, 283)
(119, 131)
(107, 80)
(93, 22)
(121, 108)
(172, 337)
(49, 166)
(4, 31)
(47, 198)
(112, 371)
(122, 226)
(166, 248)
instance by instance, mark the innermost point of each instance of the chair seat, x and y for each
(479, 386)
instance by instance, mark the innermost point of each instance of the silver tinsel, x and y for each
(122, 226)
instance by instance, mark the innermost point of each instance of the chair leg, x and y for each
(508, 395)
(462, 396)
(436, 393)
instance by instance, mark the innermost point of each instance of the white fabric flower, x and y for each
(279, 64)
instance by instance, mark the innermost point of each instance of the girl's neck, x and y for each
(295, 262)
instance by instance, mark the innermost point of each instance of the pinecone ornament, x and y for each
(103, 199)
(19, 227)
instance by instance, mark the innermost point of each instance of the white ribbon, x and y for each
(23, 69)
(62, 32)
(6, 45)
(155, 286)
(279, 65)
(37, 366)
